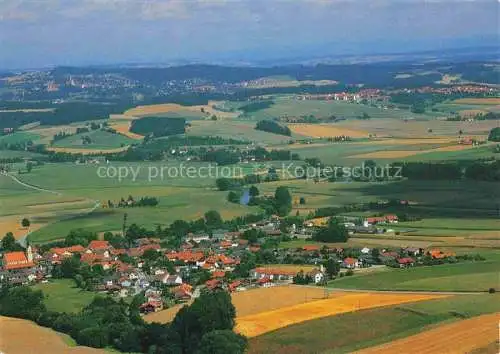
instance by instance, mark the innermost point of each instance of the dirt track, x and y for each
(458, 337)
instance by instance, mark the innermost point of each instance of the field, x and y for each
(260, 323)
(292, 106)
(62, 295)
(256, 301)
(486, 101)
(325, 131)
(35, 339)
(478, 276)
(180, 198)
(86, 151)
(349, 332)
(462, 336)
(101, 140)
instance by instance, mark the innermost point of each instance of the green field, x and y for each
(446, 207)
(290, 105)
(100, 140)
(63, 296)
(180, 198)
(348, 332)
(18, 137)
(235, 129)
(465, 276)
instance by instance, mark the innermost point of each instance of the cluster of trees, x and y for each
(335, 231)
(158, 126)
(494, 134)
(9, 243)
(204, 327)
(271, 126)
(280, 203)
(131, 202)
(256, 106)
(476, 170)
(224, 184)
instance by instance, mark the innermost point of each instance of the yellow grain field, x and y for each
(459, 337)
(256, 300)
(257, 324)
(174, 107)
(13, 224)
(124, 129)
(325, 131)
(490, 100)
(25, 337)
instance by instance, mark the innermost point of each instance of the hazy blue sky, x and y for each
(37, 33)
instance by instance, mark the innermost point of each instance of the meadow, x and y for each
(62, 295)
(99, 140)
(478, 276)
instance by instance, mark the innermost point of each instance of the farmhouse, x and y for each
(350, 263)
(273, 274)
(391, 219)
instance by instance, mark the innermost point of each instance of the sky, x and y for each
(39, 33)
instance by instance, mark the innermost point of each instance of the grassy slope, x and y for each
(451, 277)
(100, 140)
(62, 295)
(351, 331)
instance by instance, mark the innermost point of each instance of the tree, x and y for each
(29, 166)
(9, 243)
(332, 267)
(211, 311)
(25, 222)
(283, 200)
(233, 197)
(22, 302)
(223, 184)
(494, 134)
(334, 232)
(253, 191)
(302, 201)
(222, 342)
(213, 218)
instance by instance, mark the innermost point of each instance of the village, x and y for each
(223, 259)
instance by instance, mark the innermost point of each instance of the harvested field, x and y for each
(173, 107)
(491, 100)
(470, 113)
(257, 324)
(257, 300)
(325, 131)
(124, 129)
(37, 339)
(392, 154)
(459, 337)
(413, 141)
(86, 151)
(13, 224)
